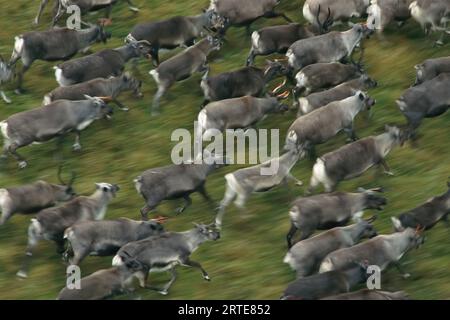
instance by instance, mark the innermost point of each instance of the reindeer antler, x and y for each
(279, 87)
(106, 99)
(160, 219)
(284, 95)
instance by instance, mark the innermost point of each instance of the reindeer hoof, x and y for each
(164, 292)
(23, 164)
(22, 274)
(134, 9)
(207, 278)
(76, 147)
(389, 173)
(180, 210)
(299, 183)
(18, 92)
(7, 100)
(406, 276)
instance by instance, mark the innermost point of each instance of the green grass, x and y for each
(247, 262)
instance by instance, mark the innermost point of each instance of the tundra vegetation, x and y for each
(136, 142)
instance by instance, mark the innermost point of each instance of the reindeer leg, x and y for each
(248, 30)
(399, 267)
(120, 105)
(193, 264)
(41, 8)
(6, 144)
(13, 150)
(107, 20)
(446, 222)
(204, 193)
(312, 152)
(154, 52)
(33, 238)
(159, 94)
(146, 209)
(4, 97)
(58, 13)
(78, 256)
(19, 89)
(60, 246)
(313, 184)
(440, 41)
(68, 255)
(387, 170)
(228, 198)
(350, 131)
(290, 235)
(241, 200)
(77, 146)
(6, 214)
(188, 202)
(251, 58)
(131, 6)
(165, 289)
(297, 182)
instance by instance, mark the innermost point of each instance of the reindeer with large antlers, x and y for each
(247, 81)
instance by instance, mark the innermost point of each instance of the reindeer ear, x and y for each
(361, 96)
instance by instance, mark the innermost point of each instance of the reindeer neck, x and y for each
(193, 239)
(199, 21)
(100, 197)
(356, 231)
(288, 161)
(400, 242)
(87, 37)
(384, 143)
(353, 109)
(351, 39)
(268, 105)
(126, 52)
(354, 275)
(204, 46)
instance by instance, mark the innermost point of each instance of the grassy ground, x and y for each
(247, 262)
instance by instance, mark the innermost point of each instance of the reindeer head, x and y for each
(131, 83)
(214, 21)
(64, 191)
(103, 35)
(368, 82)
(208, 232)
(373, 198)
(397, 136)
(102, 108)
(274, 69)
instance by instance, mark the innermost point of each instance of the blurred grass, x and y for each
(247, 262)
